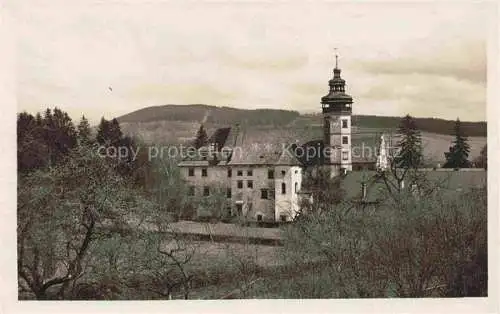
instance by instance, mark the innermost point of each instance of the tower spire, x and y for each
(336, 59)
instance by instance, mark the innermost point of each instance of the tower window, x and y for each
(250, 184)
(240, 184)
(250, 173)
(191, 172)
(191, 191)
(206, 191)
(228, 193)
(345, 155)
(283, 188)
(344, 124)
(345, 140)
(259, 217)
(229, 173)
(239, 173)
(296, 187)
(204, 172)
(270, 174)
(283, 172)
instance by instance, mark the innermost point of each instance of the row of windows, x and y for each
(204, 172)
(192, 189)
(239, 173)
(264, 193)
(239, 184)
(345, 123)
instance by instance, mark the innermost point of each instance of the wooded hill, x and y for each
(281, 118)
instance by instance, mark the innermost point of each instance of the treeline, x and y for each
(432, 125)
(215, 115)
(46, 140)
(280, 118)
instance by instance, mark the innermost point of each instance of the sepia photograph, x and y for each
(219, 150)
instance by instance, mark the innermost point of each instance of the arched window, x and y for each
(283, 188)
(296, 187)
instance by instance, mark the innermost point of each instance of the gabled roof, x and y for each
(240, 149)
(288, 158)
(256, 154)
(251, 146)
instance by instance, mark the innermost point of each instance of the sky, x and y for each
(108, 58)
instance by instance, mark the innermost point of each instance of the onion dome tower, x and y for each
(337, 111)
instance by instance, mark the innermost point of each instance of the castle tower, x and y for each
(337, 111)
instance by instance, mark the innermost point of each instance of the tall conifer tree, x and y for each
(201, 137)
(458, 154)
(410, 145)
(84, 131)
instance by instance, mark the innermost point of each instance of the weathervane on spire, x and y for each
(336, 58)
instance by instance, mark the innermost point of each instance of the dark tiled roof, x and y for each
(288, 158)
(336, 96)
(249, 145)
(249, 148)
(255, 153)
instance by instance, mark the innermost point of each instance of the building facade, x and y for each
(262, 182)
(258, 184)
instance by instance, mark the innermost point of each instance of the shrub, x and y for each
(411, 247)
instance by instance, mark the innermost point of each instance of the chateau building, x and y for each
(262, 181)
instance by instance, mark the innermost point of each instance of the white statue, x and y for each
(382, 160)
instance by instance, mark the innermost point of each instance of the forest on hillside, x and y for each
(275, 118)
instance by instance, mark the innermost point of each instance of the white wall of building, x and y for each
(252, 204)
(287, 204)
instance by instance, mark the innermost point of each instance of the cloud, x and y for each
(180, 93)
(428, 95)
(465, 60)
(309, 89)
(265, 62)
(251, 56)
